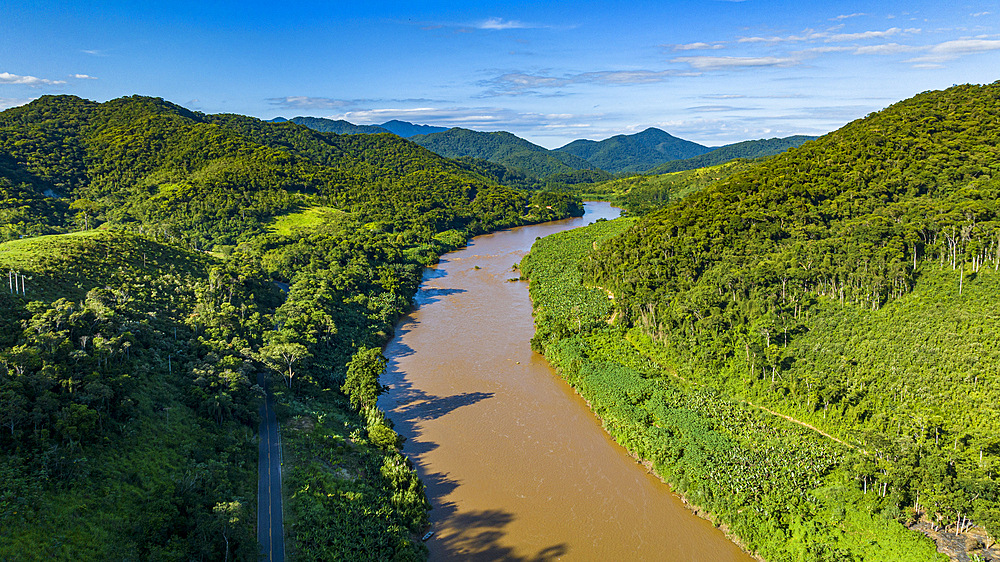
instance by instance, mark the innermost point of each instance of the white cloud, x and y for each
(719, 108)
(864, 35)
(83, 77)
(7, 103)
(626, 77)
(477, 118)
(500, 23)
(521, 83)
(951, 50)
(8, 78)
(886, 49)
(722, 63)
(980, 14)
(697, 47)
(844, 17)
(306, 102)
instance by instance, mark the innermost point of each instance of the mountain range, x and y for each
(341, 127)
(650, 151)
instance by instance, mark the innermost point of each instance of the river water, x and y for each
(515, 464)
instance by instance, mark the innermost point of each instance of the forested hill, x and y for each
(341, 127)
(338, 126)
(746, 149)
(849, 283)
(634, 153)
(142, 242)
(502, 148)
(847, 214)
(215, 179)
(407, 130)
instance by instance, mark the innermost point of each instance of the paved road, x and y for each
(269, 513)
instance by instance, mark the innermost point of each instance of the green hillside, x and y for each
(634, 153)
(845, 284)
(642, 194)
(747, 149)
(149, 239)
(338, 126)
(502, 148)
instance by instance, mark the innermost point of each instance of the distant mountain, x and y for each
(634, 153)
(746, 149)
(502, 148)
(407, 130)
(338, 126)
(341, 127)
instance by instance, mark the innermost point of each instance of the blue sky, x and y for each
(710, 71)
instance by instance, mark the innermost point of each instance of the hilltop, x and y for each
(634, 153)
(502, 148)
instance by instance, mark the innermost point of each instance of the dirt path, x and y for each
(768, 410)
(802, 423)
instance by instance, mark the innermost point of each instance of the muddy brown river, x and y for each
(516, 465)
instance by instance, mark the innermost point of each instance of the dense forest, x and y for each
(634, 153)
(749, 150)
(502, 148)
(847, 285)
(145, 245)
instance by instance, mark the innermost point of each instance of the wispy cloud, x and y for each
(696, 47)
(848, 16)
(7, 103)
(626, 77)
(95, 52)
(720, 108)
(864, 35)
(829, 37)
(726, 63)
(477, 118)
(320, 103)
(83, 77)
(522, 83)
(307, 102)
(8, 78)
(500, 23)
(886, 49)
(951, 50)
(981, 14)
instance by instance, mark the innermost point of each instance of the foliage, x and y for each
(784, 491)
(502, 148)
(749, 150)
(127, 368)
(846, 284)
(338, 126)
(634, 153)
(361, 384)
(640, 195)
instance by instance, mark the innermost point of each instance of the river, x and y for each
(515, 464)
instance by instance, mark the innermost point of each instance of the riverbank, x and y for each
(779, 489)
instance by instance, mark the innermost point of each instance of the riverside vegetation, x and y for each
(848, 285)
(146, 240)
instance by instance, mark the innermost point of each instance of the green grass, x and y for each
(306, 219)
(640, 194)
(67, 265)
